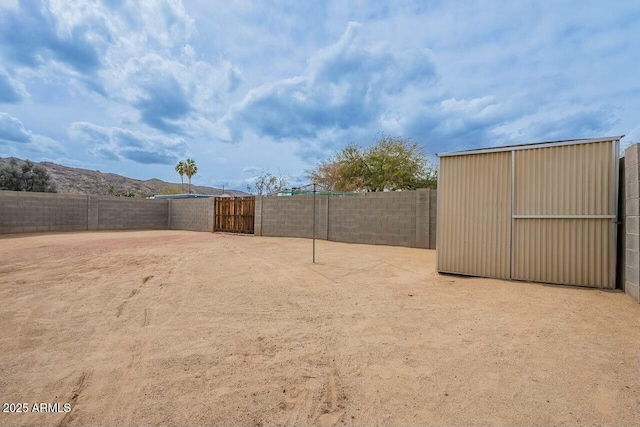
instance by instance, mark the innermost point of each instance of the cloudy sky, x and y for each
(132, 87)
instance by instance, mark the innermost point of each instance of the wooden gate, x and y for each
(235, 214)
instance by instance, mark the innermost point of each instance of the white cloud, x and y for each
(16, 140)
(287, 82)
(12, 130)
(11, 90)
(347, 86)
(115, 143)
(633, 135)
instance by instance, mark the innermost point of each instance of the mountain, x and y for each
(85, 181)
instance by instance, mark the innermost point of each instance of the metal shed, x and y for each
(542, 212)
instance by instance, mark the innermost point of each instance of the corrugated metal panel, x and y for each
(566, 180)
(560, 227)
(530, 145)
(474, 215)
(566, 251)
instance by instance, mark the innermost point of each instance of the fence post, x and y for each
(257, 218)
(212, 214)
(423, 210)
(314, 223)
(632, 221)
(92, 213)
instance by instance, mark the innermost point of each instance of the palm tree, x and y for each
(190, 170)
(181, 169)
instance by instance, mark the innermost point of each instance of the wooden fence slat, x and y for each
(235, 214)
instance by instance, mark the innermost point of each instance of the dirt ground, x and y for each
(186, 328)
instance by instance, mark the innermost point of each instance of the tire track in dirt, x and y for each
(147, 318)
(319, 401)
(185, 296)
(133, 293)
(22, 317)
(136, 371)
(121, 309)
(299, 406)
(80, 386)
(138, 367)
(122, 409)
(330, 411)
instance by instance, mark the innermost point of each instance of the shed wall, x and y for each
(566, 251)
(565, 180)
(571, 180)
(560, 228)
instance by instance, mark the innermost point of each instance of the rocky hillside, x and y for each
(85, 181)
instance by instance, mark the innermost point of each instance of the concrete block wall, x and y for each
(404, 218)
(632, 222)
(257, 220)
(433, 217)
(621, 248)
(423, 218)
(374, 218)
(93, 204)
(191, 214)
(122, 213)
(24, 212)
(290, 216)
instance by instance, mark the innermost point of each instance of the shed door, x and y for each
(564, 217)
(474, 215)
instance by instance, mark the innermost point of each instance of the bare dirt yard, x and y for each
(185, 328)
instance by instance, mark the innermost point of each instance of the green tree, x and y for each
(27, 177)
(181, 168)
(328, 174)
(267, 183)
(391, 164)
(171, 189)
(190, 170)
(111, 190)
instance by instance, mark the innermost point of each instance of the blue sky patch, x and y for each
(132, 87)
